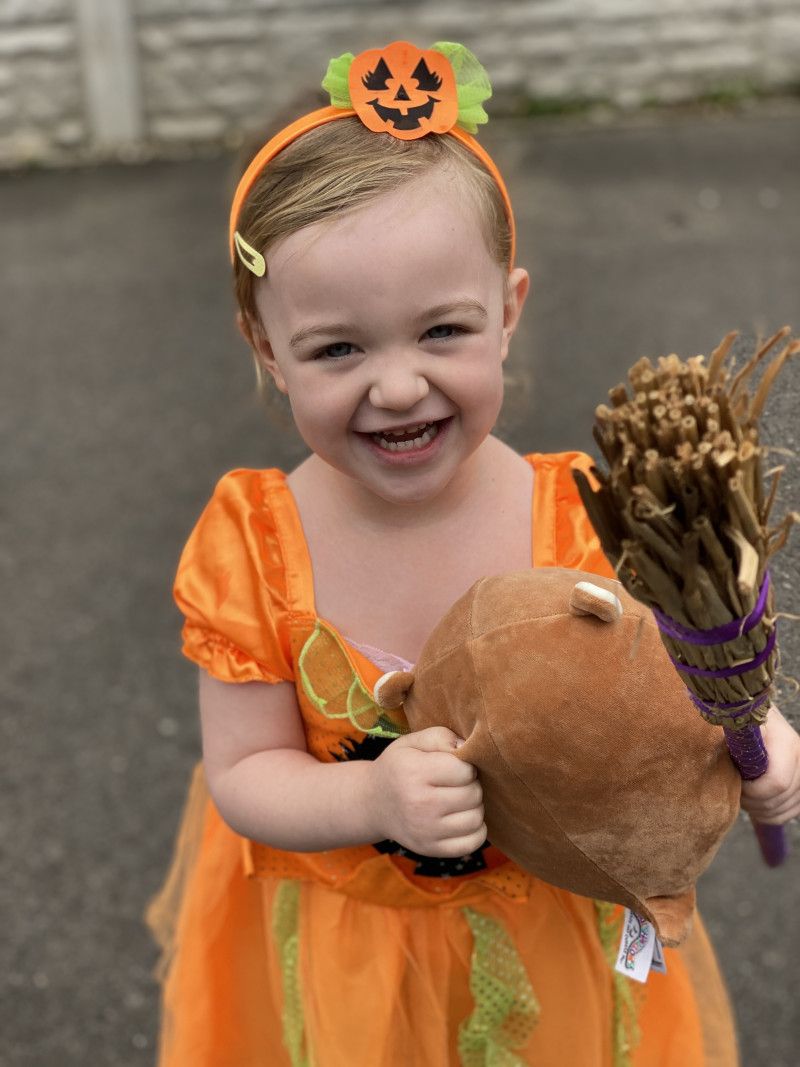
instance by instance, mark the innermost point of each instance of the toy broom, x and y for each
(683, 515)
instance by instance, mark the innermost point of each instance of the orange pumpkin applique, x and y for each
(404, 90)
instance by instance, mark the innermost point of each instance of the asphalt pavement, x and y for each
(125, 392)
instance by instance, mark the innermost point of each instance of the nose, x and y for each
(397, 385)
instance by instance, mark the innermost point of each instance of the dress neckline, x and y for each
(300, 574)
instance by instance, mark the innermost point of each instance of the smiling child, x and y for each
(340, 906)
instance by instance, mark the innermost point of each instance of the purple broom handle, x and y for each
(747, 750)
(745, 745)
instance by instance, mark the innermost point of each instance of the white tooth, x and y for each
(408, 429)
(383, 437)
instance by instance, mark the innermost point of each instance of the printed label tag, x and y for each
(639, 949)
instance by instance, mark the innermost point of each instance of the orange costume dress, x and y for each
(369, 956)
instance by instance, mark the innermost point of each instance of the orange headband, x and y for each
(366, 110)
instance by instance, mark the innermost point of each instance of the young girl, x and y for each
(336, 902)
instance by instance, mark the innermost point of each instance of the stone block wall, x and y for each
(199, 71)
(42, 109)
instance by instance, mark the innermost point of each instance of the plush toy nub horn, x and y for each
(392, 689)
(589, 599)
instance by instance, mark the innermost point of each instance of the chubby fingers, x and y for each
(441, 745)
(460, 827)
(774, 798)
(463, 833)
(432, 800)
(432, 739)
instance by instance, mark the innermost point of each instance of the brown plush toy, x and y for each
(598, 774)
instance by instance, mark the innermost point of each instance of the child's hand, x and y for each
(774, 798)
(427, 799)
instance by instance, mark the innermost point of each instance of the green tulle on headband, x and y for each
(336, 81)
(472, 83)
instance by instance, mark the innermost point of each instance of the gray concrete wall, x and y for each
(126, 77)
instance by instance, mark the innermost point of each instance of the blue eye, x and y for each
(337, 351)
(439, 333)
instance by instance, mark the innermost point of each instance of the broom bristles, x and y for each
(682, 512)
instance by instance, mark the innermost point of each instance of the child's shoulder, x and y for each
(564, 462)
(244, 497)
(242, 576)
(248, 523)
(248, 486)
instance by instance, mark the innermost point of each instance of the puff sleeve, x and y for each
(231, 585)
(563, 535)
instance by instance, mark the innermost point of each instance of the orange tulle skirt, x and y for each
(363, 984)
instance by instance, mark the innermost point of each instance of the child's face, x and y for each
(388, 329)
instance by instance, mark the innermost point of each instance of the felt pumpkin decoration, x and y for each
(598, 775)
(404, 90)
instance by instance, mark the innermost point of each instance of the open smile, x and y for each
(408, 438)
(415, 443)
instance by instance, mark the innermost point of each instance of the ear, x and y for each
(590, 599)
(253, 333)
(392, 689)
(517, 286)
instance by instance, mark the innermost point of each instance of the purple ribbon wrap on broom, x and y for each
(745, 744)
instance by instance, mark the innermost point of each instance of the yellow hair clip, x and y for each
(252, 259)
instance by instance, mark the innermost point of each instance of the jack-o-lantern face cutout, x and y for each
(404, 91)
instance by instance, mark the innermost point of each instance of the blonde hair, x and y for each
(338, 168)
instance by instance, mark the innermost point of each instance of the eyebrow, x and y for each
(457, 307)
(324, 330)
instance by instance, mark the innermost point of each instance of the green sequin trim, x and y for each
(506, 1009)
(625, 1033)
(472, 83)
(286, 931)
(325, 656)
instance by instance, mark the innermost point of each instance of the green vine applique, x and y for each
(331, 683)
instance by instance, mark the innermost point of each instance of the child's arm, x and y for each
(774, 798)
(268, 787)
